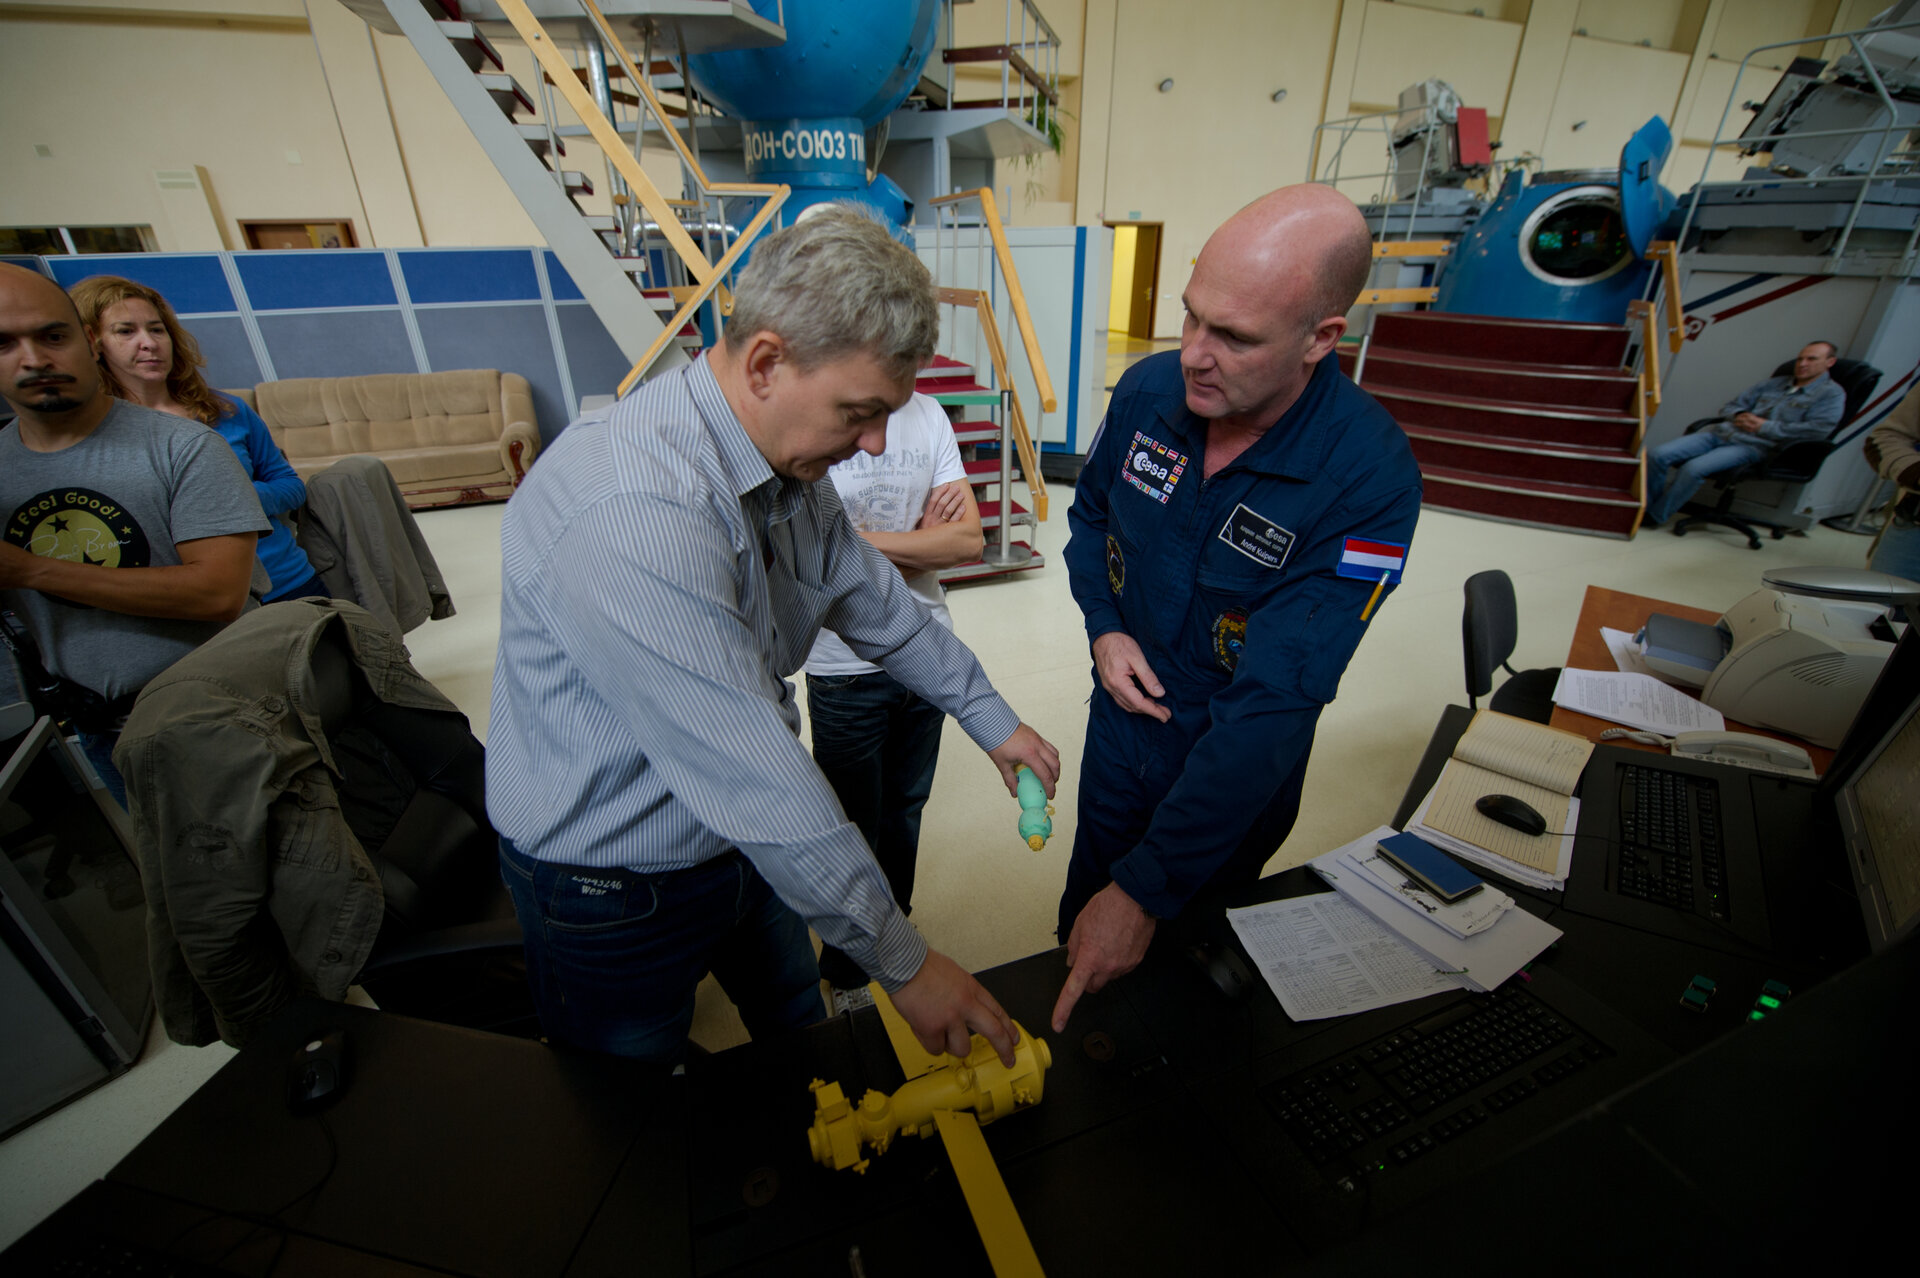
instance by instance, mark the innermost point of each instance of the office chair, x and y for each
(414, 794)
(1489, 628)
(411, 791)
(1796, 464)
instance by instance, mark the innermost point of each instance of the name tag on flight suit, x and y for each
(1256, 537)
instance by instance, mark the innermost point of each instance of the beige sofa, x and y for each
(467, 435)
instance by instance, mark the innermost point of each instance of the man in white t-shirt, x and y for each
(876, 741)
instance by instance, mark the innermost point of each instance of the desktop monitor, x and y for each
(1879, 807)
(75, 994)
(1874, 786)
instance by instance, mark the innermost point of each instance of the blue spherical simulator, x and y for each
(805, 106)
(1566, 246)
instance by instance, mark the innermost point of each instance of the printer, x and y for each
(1794, 664)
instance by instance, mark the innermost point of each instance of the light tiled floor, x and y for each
(983, 897)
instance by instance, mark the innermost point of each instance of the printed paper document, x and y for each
(1637, 700)
(1324, 956)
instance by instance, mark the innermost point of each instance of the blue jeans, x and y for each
(1700, 456)
(1899, 554)
(877, 743)
(98, 747)
(614, 957)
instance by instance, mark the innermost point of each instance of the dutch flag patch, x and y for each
(1368, 560)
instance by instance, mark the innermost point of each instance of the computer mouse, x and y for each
(1509, 811)
(318, 1072)
(1224, 968)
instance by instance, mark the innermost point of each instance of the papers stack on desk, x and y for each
(1637, 700)
(1372, 942)
(1503, 938)
(1499, 754)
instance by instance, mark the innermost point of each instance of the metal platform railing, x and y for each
(1891, 146)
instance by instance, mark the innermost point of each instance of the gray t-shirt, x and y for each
(125, 496)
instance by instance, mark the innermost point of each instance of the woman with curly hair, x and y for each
(147, 357)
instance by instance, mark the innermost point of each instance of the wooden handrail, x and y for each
(1022, 317)
(1666, 252)
(982, 306)
(1650, 347)
(1387, 296)
(612, 41)
(1411, 248)
(561, 73)
(699, 296)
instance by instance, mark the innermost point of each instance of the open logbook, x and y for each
(1499, 754)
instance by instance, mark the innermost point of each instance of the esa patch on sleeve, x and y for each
(1257, 537)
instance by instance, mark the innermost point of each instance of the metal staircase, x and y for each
(998, 451)
(648, 268)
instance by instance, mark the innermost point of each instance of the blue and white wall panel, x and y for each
(264, 316)
(1065, 272)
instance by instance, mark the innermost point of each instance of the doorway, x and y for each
(1136, 278)
(335, 233)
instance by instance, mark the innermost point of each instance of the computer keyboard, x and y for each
(1411, 1091)
(80, 1256)
(1669, 829)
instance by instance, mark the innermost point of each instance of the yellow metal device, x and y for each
(954, 1098)
(979, 1084)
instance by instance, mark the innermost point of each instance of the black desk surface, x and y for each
(1154, 1151)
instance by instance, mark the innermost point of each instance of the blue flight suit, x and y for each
(1229, 586)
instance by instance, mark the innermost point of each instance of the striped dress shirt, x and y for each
(659, 582)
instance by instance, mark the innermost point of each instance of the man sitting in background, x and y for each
(88, 483)
(1780, 410)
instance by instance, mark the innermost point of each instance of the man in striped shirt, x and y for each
(663, 572)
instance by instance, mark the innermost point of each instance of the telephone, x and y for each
(1744, 750)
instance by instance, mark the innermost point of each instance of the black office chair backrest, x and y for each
(414, 794)
(1489, 628)
(1855, 378)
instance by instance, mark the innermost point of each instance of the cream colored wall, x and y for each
(1606, 92)
(386, 149)
(1189, 157)
(1663, 24)
(1749, 23)
(1402, 44)
(118, 99)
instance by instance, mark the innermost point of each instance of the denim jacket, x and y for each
(257, 891)
(1791, 412)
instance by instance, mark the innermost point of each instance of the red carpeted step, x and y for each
(1571, 507)
(945, 366)
(1492, 337)
(990, 514)
(1576, 386)
(949, 386)
(986, 470)
(1348, 353)
(1539, 423)
(1597, 468)
(965, 433)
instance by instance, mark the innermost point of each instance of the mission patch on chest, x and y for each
(1152, 467)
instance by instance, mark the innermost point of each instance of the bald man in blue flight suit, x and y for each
(1242, 510)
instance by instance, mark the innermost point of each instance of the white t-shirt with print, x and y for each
(888, 493)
